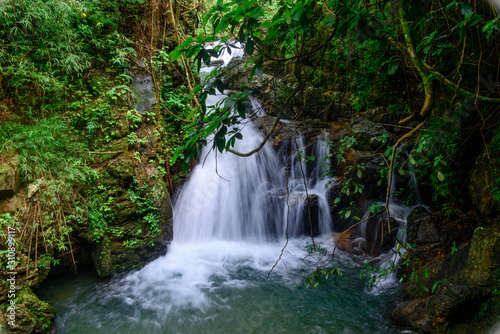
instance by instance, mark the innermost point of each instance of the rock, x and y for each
(34, 187)
(350, 243)
(455, 285)
(235, 71)
(121, 127)
(31, 314)
(414, 313)
(218, 62)
(420, 227)
(143, 90)
(139, 222)
(236, 76)
(369, 135)
(12, 204)
(311, 216)
(10, 176)
(483, 262)
(98, 81)
(481, 183)
(122, 169)
(119, 146)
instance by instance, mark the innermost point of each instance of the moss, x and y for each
(31, 314)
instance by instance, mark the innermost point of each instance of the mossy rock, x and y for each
(140, 231)
(122, 169)
(31, 314)
(455, 286)
(482, 181)
(10, 177)
(483, 264)
(369, 135)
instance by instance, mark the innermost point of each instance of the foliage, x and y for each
(48, 46)
(47, 149)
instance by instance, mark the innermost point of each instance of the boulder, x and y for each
(482, 180)
(421, 227)
(138, 220)
(379, 115)
(369, 135)
(31, 314)
(12, 204)
(483, 264)
(10, 176)
(453, 286)
(121, 127)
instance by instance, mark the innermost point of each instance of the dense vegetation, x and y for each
(433, 65)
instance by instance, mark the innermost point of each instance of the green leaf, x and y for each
(440, 176)
(360, 174)
(220, 86)
(222, 132)
(249, 47)
(206, 57)
(347, 214)
(221, 144)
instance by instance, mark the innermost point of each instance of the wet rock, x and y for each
(218, 62)
(31, 314)
(236, 72)
(421, 227)
(10, 176)
(482, 180)
(369, 135)
(236, 76)
(311, 216)
(349, 242)
(378, 239)
(413, 313)
(140, 226)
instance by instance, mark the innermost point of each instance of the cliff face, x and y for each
(114, 214)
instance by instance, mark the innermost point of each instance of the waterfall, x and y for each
(229, 197)
(232, 219)
(233, 198)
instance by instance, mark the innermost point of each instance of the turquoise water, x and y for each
(222, 287)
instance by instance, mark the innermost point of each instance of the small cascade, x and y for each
(229, 197)
(399, 211)
(309, 212)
